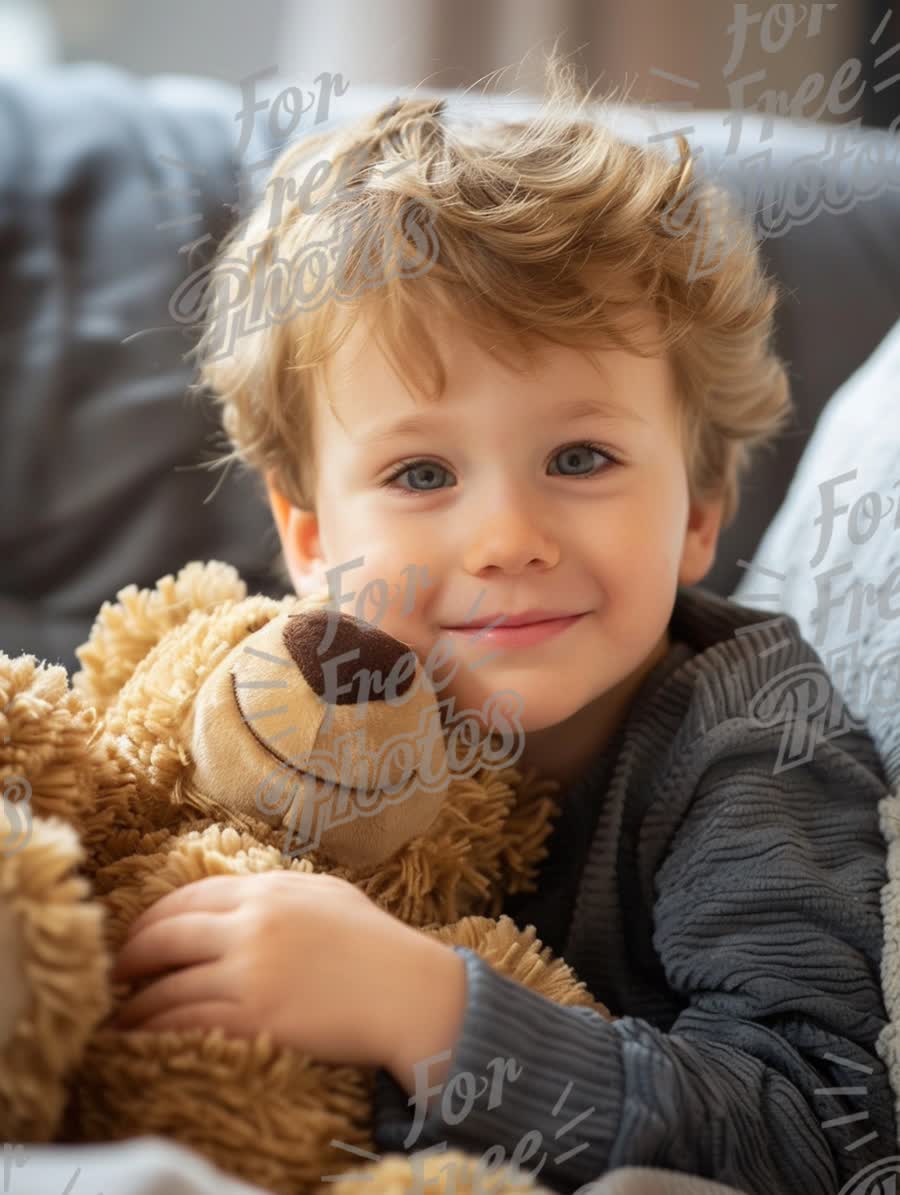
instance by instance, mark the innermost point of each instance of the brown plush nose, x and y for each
(377, 652)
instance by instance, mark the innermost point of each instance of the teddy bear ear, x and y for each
(124, 631)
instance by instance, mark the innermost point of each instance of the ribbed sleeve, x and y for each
(739, 839)
(768, 925)
(563, 1130)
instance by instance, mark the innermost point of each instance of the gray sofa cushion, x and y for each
(99, 450)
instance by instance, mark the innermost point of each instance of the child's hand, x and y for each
(308, 958)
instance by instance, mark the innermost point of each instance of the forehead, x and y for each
(364, 385)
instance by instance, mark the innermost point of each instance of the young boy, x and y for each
(590, 405)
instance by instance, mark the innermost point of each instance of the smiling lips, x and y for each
(521, 630)
(514, 620)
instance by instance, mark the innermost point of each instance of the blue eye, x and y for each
(573, 450)
(431, 470)
(428, 468)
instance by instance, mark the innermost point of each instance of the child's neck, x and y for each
(564, 751)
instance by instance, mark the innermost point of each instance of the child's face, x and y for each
(508, 510)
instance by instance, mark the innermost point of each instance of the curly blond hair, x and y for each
(550, 229)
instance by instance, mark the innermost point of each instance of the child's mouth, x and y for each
(525, 635)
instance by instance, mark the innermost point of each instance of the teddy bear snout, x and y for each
(320, 638)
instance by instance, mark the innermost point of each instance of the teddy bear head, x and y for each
(312, 729)
(326, 727)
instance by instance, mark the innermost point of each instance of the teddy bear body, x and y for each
(206, 734)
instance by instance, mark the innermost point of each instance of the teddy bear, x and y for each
(212, 732)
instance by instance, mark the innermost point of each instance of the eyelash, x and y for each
(405, 466)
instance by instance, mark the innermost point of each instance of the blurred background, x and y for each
(122, 168)
(642, 43)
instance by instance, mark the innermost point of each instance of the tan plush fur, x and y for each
(146, 772)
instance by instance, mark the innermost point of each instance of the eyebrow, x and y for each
(570, 408)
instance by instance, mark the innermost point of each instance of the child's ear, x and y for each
(298, 531)
(700, 540)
